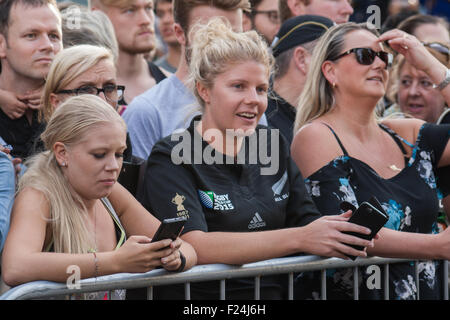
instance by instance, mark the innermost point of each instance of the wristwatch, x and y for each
(445, 82)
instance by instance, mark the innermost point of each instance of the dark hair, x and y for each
(283, 10)
(155, 3)
(253, 5)
(5, 10)
(412, 23)
(250, 13)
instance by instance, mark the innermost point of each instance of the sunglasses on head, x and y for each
(366, 56)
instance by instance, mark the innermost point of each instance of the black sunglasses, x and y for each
(366, 56)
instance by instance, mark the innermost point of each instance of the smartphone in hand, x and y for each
(369, 216)
(169, 229)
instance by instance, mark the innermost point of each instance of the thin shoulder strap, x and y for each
(338, 140)
(397, 138)
(120, 231)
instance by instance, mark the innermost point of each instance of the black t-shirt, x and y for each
(19, 133)
(281, 115)
(227, 197)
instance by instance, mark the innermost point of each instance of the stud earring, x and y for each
(334, 85)
(63, 164)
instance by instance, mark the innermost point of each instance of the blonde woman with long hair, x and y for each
(70, 211)
(346, 154)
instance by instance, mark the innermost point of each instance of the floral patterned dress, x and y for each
(411, 198)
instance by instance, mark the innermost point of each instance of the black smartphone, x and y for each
(369, 216)
(169, 229)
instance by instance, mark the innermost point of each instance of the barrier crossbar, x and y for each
(220, 272)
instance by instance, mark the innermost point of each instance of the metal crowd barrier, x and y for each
(221, 272)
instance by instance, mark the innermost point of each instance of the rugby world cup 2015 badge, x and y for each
(178, 201)
(220, 202)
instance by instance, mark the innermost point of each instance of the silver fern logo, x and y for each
(278, 187)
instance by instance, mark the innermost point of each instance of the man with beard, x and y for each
(133, 22)
(168, 106)
(30, 37)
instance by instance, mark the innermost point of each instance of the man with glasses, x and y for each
(30, 37)
(262, 18)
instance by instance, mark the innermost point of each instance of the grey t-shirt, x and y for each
(157, 112)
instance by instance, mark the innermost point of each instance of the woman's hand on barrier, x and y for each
(325, 237)
(138, 254)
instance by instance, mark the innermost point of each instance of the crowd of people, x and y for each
(256, 121)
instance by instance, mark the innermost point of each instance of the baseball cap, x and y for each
(298, 30)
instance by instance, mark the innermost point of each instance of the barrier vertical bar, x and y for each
(150, 293)
(257, 288)
(386, 281)
(416, 271)
(323, 284)
(222, 289)
(355, 283)
(445, 282)
(291, 286)
(187, 291)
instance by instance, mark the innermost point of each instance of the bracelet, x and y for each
(183, 263)
(95, 264)
(444, 82)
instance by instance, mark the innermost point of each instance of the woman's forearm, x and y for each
(55, 267)
(241, 247)
(323, 237)
(399, 244)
